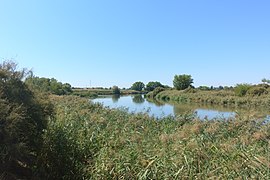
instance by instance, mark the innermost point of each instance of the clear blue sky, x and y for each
(118, 42)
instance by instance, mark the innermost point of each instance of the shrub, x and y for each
(257, 91)
(23, 117)
(154, 93)
(241, 89)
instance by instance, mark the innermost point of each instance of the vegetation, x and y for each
(75, 139)
(88, 141)
(182, 82)
(49, 85)
(23, 117)
(153, 85)
(264, 80)
(242, 89)
(116, 90)
(94, 92)
(153, 94)
(137, 86)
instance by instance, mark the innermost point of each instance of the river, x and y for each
(137, 103)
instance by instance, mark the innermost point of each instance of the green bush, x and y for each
(23, 118)
(155, 92)
(257, 91)
(241, 89)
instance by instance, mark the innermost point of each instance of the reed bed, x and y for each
(89, 141)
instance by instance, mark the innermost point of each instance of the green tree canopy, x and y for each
(138, 86)
(264, 80)
(182, 82)
(153, 85)
(49, 85)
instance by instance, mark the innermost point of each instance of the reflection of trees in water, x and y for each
(138, 99)
(156, 102)
(181, 109)
(115, 97)
(249, 113)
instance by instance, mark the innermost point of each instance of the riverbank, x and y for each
(218, 97)
(93, 93)
(88, 141)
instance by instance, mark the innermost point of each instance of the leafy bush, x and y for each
(23, 117)
(153, 85)
(241, 89)
(154, 93)
(257, 91)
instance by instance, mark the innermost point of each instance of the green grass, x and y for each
(88, 141)
(222, 97)
(93, 93)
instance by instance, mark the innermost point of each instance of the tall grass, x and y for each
(88, 141)
(222, 97)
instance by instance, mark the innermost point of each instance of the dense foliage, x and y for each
(138, 86)
(49, 85)
(23, 117)
(242, 89)
(182, 82)
(116, 90)
(153, 85)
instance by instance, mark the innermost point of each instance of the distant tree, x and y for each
(204, 88)
(264, 80)
(220, 87)
(182, 82)
(153, 85)
(138, 86)
(49, 85)
(116, 90)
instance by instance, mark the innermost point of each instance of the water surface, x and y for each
(137, 103)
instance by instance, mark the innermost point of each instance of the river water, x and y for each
(137, 103)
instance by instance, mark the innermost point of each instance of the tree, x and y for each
(264, 80)
(182, 82)
(153, 85)
(138, 86)
(116, 90)
(49, 85)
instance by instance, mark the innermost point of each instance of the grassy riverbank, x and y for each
(92, 93)
(218, 97)
(86, 140)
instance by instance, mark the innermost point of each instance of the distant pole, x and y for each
(90, 84)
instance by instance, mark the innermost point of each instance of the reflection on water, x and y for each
(138, 99)
(137, 103)
(115, 98)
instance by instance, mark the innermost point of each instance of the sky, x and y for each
(90, 43)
